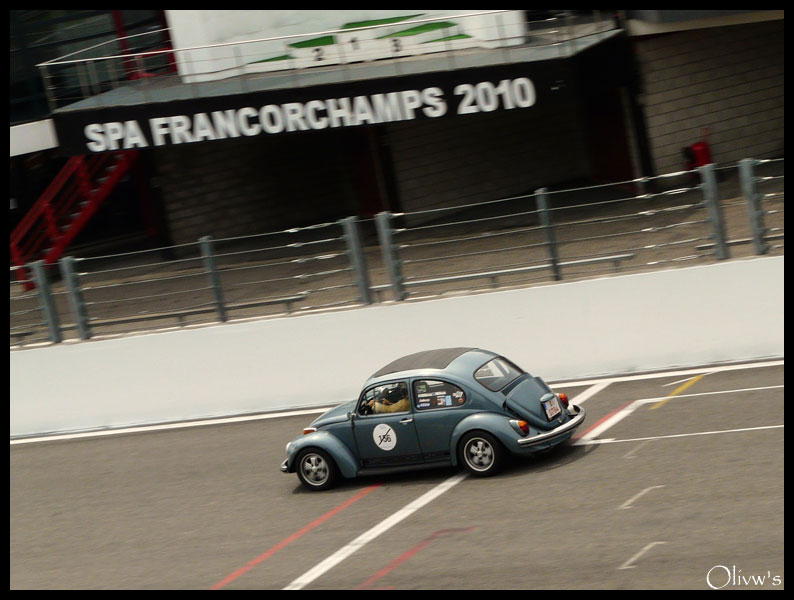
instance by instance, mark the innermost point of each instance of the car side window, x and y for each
(385, 398)
(431, 394)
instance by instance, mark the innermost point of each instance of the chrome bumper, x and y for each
(283, 466)
(549, 436)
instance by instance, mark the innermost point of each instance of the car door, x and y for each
(386, 439)
(439, 406)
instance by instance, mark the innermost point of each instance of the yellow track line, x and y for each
(680, 389)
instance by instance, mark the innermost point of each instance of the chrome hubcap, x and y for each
(479, 454)
(314, 469)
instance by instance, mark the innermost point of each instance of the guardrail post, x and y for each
(754, 209)
(390, 260)
(711, 197)
(241, 71)
(357, 259)
(45, 299)
(545, 220)
(82, 78)
(72, 282)
(93, 78)
(215, 280)
(45, 78)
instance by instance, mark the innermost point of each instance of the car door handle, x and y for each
(407, 420)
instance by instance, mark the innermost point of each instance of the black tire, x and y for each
(481, 454)
(316, 470)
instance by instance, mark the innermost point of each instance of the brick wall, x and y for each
(269, 184)
(729, 79)
(248, 187)
(484, 157)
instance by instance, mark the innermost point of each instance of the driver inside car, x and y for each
(391, 400)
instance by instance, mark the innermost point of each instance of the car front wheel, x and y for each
(316, 470)
(481, 454)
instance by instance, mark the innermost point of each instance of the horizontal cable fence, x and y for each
(295, 270)
(29, 319)
(677, 219)
(209, 281)
(767, 209)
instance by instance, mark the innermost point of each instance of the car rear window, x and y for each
(497, 373)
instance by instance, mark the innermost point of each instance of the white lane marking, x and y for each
(292, 413)
(630, 501)
(679, 396)
(607, 424)
(628, 565)
(368, 536)
(180, 425)
(624, 412)
(679, 381)
(677, 435)
(693, 371)
(630, 453)
(590, 392)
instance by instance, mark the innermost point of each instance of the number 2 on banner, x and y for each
(485, 97)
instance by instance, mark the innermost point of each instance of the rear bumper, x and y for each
(566, 429)
(283, 467)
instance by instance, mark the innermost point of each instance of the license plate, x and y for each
(552, 408)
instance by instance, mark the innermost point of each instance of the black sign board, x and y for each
(437, 95)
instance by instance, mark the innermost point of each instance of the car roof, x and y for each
(427, 359)
(439, 359)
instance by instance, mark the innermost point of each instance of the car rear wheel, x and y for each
(481, 454)
(316, 470)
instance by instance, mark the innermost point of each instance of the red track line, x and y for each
(601, 420)
(286, 541)
(406, 555)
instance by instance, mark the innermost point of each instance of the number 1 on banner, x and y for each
(356, 49)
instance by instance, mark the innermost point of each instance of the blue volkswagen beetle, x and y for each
(451, 406)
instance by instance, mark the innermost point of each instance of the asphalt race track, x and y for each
(675, 481)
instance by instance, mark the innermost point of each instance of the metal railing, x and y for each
(319, 267)
(555, 234)
(677, 219)
(111, 77)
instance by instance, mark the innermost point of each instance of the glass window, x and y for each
(497, 373)
(431, 394)
(386, 398)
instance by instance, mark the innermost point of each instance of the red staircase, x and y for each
(65, 207)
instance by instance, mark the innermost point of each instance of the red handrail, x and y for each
(83, 182)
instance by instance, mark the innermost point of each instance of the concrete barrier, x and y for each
(700, 315)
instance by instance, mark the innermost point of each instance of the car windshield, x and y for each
(497, 373)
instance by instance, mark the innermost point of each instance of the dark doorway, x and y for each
(607, 136)
(370, 171)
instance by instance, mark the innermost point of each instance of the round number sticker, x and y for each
(384, 437)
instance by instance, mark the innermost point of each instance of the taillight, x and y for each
(521, 426)
(564, 399)
(309, 430)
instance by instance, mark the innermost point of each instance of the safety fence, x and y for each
(676, 219)
(206, 281)
(123, 70)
